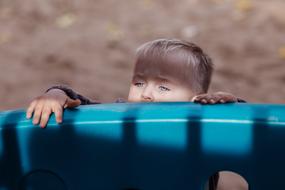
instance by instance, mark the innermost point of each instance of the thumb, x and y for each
(70, 103)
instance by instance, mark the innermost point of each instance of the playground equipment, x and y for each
(150, 146)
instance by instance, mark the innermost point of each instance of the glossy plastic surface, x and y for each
(148, 146)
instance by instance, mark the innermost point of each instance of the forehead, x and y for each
(170, 65)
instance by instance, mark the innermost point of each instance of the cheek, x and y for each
(180, 96)
(164, 96)
(184, 95)
(134, 94)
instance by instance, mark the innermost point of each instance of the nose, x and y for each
(147, 95)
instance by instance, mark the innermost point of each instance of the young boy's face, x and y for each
(159, 89)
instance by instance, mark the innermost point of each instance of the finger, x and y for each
(229, 99)
(222, 101)
(217, 97)
(72, 103)
(45, 116)
(207, 99)
(203, 101)
(37, 114)
(31, 109)
(194, 99)
(58, 113)
(212, 101)
(199, 97)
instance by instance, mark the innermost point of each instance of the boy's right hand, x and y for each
(215, 98)
(53, 101)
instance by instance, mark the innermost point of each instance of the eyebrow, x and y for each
(138, 77)
(161, 78)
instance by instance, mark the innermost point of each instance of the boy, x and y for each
(172, 70)
(165, 71)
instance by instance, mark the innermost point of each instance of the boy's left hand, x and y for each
(215, 98)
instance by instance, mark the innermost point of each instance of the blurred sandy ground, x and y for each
(90, 44)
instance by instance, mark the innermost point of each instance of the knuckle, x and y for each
(46, 107)
(217, 98)
(45, 115)
(54, 103)
(207, 98)
(36, 116)
(57, 108)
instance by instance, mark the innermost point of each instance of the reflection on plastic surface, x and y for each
(149, 146)
(225, 138)
(110, 131)
(171, 135)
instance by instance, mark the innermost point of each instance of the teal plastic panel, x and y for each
(149, 146)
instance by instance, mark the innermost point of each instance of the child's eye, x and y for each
(138, 84)
(163, 88)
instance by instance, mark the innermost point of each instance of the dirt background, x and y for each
(90, 44)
